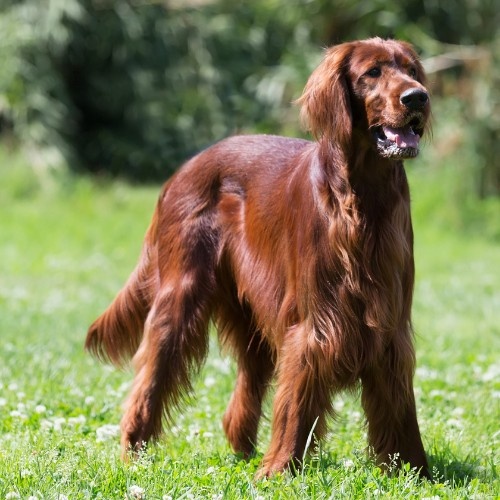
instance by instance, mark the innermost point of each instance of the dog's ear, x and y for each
(325, 101)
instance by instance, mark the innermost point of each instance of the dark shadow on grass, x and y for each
(459, 471)
(444, 467)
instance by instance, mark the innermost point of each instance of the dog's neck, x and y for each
(372, 183)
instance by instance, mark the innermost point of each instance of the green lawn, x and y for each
(65, 251)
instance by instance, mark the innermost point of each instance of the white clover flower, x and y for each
(107, 432)
(76, 391)
(11, 495)
(3, 401)
(166, 497)
(453, 422)
(123, 388)
(339, 405)
(355, 415)
(426, 373)
(40, 409)
(17, 414)
(210, 381)
(194, 431)
(46, 425)
(458, 412)
(77, 420)
(347, 463)
(26, 473)
(136, 491)
(436, 393)
(13, 386)
(62, 497)
(58, 423)
(223, 365)
(492, 373)
(89, 400)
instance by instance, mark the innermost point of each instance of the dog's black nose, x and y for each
(414, 99)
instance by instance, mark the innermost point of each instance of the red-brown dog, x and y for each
(302, 254)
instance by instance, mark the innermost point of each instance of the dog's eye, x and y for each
(413, 72)
(375, 72)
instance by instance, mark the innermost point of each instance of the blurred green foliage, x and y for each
(131, 88)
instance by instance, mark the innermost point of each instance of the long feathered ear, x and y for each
(325, 101)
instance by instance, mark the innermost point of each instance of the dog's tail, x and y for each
(116, 334)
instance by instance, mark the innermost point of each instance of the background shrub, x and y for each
(131, 89)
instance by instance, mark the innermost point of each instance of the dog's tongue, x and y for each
(403, 137)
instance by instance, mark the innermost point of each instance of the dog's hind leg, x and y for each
(175, 342)
(255, 369)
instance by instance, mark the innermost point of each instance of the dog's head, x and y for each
(374, 88)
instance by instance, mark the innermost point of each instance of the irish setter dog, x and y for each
(301, 253)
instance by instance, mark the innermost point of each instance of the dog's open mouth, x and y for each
(398, 142)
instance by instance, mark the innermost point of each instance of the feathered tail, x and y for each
(116, 334)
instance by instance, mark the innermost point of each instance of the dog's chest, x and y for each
(380, 277)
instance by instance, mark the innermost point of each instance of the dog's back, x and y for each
(208, 194)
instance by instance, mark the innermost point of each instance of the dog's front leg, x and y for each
(301, 403)
(389, 404)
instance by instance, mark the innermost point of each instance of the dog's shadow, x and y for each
(457, 471)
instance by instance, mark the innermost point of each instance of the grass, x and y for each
(67, 247)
